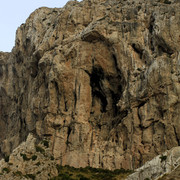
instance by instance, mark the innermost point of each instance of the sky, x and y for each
(15, 12)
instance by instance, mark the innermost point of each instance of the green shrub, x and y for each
(17, 173)
(68, 172)
(34, 157)
(122, 171)
(52, 158)
(59, 168)
(103, 176)
(81, 177)
(6, 158)
(167, 2)
(38, 164)
(163, 158)
(31, 176)
(40, 149)
(25, 158)
(45, 143)
(84, 178)
(7, 170)
(64, 176)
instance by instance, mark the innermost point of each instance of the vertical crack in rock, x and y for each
(151, 32)
(177, 138)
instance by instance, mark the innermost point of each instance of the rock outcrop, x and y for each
(161, 166)
(99, 78)
(30, 160)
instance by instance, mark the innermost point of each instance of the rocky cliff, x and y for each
(163, 167)
(100, 79)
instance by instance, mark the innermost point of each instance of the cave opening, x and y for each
(97, 89)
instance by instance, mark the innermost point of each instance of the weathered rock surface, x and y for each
(100, 78)
(174, 175)
(29, 161)
(161, 166)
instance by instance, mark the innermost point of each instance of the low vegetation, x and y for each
(45, 143)
(40, 149)
(31, 176)
(167, 2)
(163, 158)
(34, 157)
(38, 164)
(17, 173)
(64, 172)
(89, 173)
(6, 169)
(6, 158)
(25, 158)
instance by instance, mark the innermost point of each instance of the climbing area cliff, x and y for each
(98, 79)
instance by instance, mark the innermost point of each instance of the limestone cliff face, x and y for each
(100, 79)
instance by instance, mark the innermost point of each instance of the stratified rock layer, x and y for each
(100, 79)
